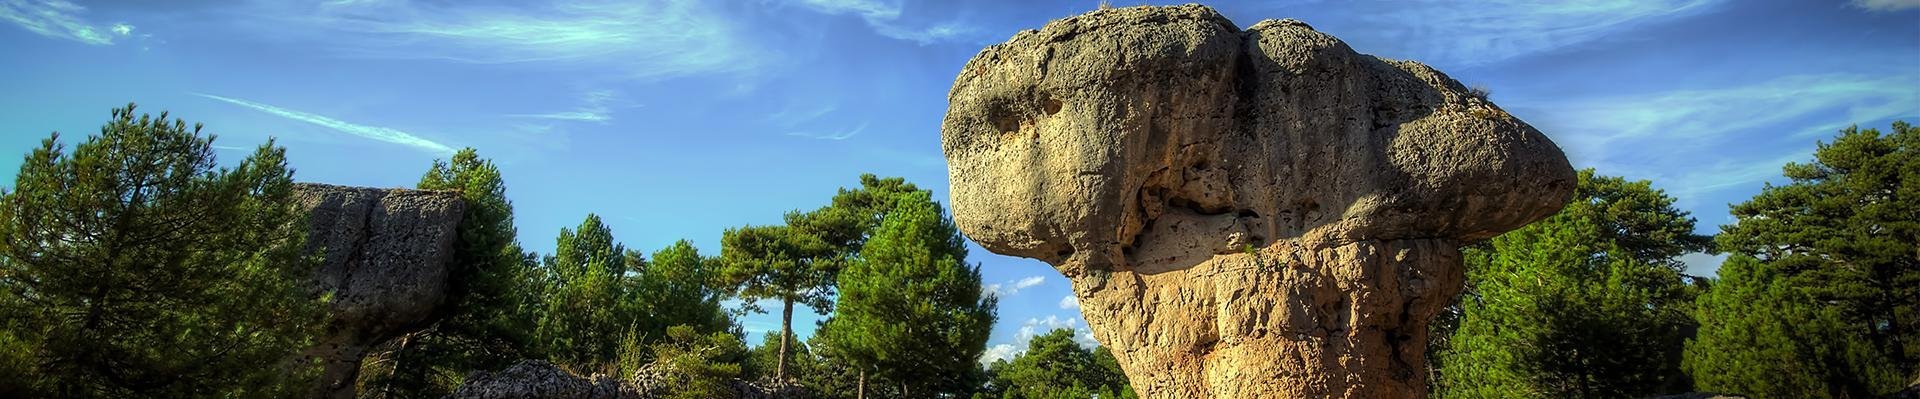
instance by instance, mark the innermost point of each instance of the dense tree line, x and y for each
(1817, 297)
(132, 265)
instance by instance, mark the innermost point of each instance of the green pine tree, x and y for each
(778, 263)
(1820, 297)
(680, 287)
(134, 266)
(910, 307)
(587, 308)
(1589, 303)
(1055, 366)
(492, 301)
(697, 366)
(798, 262)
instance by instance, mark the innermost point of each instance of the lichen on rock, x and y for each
(1243, 213)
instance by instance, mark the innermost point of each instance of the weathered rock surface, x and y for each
(385, 258)
(1243, 213)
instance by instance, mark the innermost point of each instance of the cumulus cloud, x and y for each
(1070, 302)
(389, 135)
(1012, 287)
(1035, 327)
(58, 19)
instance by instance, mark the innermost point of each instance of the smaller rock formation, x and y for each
(385, 258)
(537, 379)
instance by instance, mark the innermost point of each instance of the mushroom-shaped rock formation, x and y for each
(1243, 213)
(385, 258)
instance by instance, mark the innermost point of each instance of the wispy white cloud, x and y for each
(884, 17)
(1070, 302)
(1698, 142)
(644, 39)
(831, 135)
(59, 19)
(389, 135)
(1035, 327)
(1715, 112)
(1486, 31)
(794, 116)
(596, 106)
(864, 8)
(1013, 286)
(1887, 5)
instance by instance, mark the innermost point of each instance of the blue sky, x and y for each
(679, 118)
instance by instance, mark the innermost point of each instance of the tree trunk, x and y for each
(903, 390)
(861, 391)
(786, 330)
(399, 365)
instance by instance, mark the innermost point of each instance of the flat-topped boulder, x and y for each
(385, 259)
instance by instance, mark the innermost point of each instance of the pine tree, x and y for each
(1820, 297)
(680, 287)
(1055, 366)
(492, 301)
(587, 310)
(697, 366)
(778, 263)
(910, 307)
(1590, 302)
(798, 262)
(135, 267)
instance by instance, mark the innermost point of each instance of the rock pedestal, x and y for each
(1243, 213)
(385, 259)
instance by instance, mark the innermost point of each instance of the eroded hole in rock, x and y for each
(1007, 125)
(1050, 105)
(1309, 213)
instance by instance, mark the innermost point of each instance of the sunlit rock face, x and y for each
(385, 260)
(1243, 213)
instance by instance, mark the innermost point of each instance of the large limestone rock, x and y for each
(386, 260)
(1243, 213)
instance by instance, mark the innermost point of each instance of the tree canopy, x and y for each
(587, 309)
(493, 295)
(910, 307)
(1054, 366)
(1819, 295)
(134, 266)
(1589, 302)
